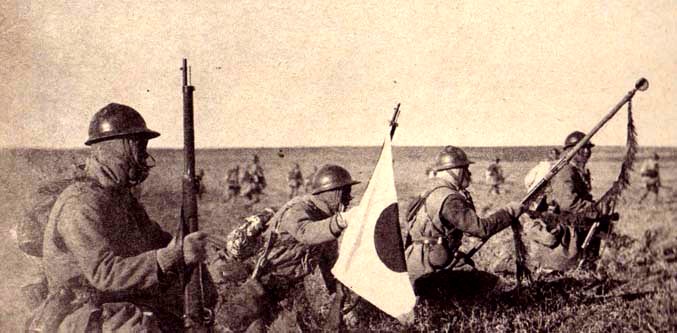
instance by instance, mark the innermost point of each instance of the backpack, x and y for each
(31, 226)
(246, 240)
(412, 211)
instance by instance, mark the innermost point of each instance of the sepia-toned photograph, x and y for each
(335, 166)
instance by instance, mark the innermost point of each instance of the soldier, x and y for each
(232, 183)
(651, 176)
(430, 172)
(494, 177)
(304, 236)
(199, 187)
(253, 181)
(557, 236)
(541, 169)
(108, 265)
(294, 180)
(308, 184)
(445, 211)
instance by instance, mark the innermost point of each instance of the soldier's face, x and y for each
(583, 155)
(346, 196)
(142, 161)
(466, 177)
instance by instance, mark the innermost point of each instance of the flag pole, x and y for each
(393, 122)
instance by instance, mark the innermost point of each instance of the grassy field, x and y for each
(634, 289)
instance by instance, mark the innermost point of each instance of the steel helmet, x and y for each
(450, 158)
(574, 138)
(117, 121)
(330, 177)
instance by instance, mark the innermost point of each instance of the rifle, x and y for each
(196, 316)
(534, 193)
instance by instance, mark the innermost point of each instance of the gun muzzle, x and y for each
(642, 84)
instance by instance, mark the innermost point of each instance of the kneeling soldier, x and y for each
(445, 212)
(109, 267)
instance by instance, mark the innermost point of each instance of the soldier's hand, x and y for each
(195, 248)
(515, 209)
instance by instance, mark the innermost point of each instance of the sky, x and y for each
(329, 73)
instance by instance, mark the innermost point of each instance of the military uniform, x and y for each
(494, 177)
(101, 245)
(253, 182)
(232, 183)
(556, 239)
(305, 234)
(294, 180)
(651, 176)
(439, 225)
(109, 267)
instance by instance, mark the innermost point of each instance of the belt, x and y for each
(430, 240)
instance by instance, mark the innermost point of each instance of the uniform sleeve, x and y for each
(83, 233)
(460, 214)
(297, 223)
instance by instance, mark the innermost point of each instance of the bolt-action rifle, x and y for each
(197, 316)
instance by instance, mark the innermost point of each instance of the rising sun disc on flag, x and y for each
(388, 239)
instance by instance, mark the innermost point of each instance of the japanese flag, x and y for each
(371, 257)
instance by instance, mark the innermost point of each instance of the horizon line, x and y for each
(306, 147)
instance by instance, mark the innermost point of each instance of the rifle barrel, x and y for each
(641, 85)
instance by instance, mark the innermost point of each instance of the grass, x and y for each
(634, 288)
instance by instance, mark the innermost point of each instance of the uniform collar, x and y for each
(577, 168)
(319, 204)
(436, 181)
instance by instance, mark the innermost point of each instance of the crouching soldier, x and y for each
(556, 237)
(109, 267)
(302, 236)
(439, 218)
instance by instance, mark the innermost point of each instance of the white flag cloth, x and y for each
(371, 256)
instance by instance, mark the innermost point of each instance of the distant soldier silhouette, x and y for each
(494, 177)
(199, 186)
(651, 176)
(232, 183)
(294, 180)
(308, 185)
(253, 181)
(430, 172)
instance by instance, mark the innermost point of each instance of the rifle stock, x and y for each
(197, 317)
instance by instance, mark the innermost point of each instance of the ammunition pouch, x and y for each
(442, 249)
